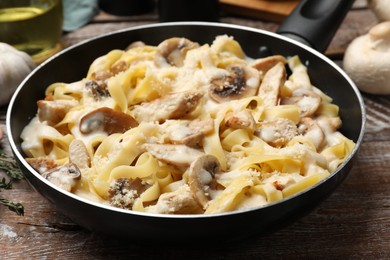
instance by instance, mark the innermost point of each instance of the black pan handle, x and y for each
(314, 22)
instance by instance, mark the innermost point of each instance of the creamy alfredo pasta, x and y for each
(184, 128)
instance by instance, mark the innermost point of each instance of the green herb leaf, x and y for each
(15, 207)
(4, 184)
(10, 167)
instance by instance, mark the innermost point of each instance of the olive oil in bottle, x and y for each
(32, 26)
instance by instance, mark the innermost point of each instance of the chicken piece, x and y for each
(53, 111)
(309, 128)
(42, 164)
(192, 133)
(123, 192)
(118, 67)
(265, 64)
(135, 44)
(270, 87)
(78, 154)
(240, 120)
(179, 155)
(307, 101)
(277, 132)
(179, 201)
(172, 106)
(329, 124)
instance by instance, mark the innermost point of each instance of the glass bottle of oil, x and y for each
(33, 26)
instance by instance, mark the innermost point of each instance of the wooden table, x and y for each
(354, 222)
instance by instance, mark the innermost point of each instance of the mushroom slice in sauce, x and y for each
(277, 132)
(265, 64)
(241, 82)
(191, 134)
(179, 201)
(176, 154)
(53, 111)
(307, 101)
(173, 51)
(171, 106)
(309, 128)
(201, 177)
(107, 120)
(270, 87)
(240, 120)
(123, 192)
(97, 89)
(64, 176)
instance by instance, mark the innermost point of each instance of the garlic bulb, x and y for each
(367, 60)
(14, 67)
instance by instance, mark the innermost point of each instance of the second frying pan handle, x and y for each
(314, 22)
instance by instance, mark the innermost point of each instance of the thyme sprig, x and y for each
(15, 207)
(10, 167)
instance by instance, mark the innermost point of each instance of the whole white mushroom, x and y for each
(367, 60)
(14, 67)
(381, 9)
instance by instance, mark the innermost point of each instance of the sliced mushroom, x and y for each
(78, 154)
(171, 106)
(97, 89)
(64, 176)
(173, 51)
(201, 178)
(179, 201)
(191, 134)
(277, 132)
(107, 120)
(240, 120)
(264, 64)
(42, 164)
(241, 81)
(307, 101)
(270, 87)
(123, 192)
(309, 128)
(53, 111)
(175, 154)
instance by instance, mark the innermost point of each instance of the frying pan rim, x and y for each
(172, 24)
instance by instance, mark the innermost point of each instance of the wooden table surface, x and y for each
(354, 222)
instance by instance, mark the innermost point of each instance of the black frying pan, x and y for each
(72, 64)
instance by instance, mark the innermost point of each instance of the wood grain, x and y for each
(352, 223)
(274, 11)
